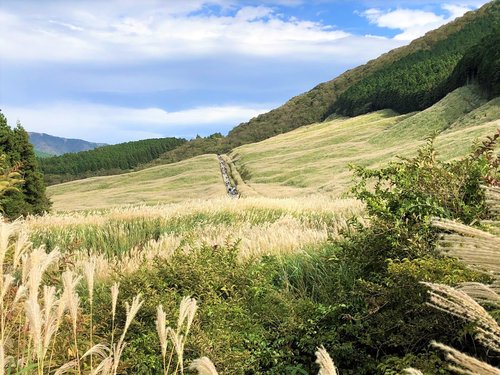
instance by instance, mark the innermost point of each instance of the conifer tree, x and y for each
(30, 198)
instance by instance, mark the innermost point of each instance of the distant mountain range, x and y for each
(48, 145)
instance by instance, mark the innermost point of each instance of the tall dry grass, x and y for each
(43, 326)
(123, 239)
(480, 249)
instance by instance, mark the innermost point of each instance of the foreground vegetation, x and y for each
(272, 280)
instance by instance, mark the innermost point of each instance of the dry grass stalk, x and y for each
(475, 247)
(479, 248)
(464, 364)
(413, 371)
(463, 229)
(326, 365)
(493, 199)
(204, 366)
(2, 359)
(177, 337)
(460, 304)
(35, 265)
(89, 273)
(22, 306)
(480, 292)
(115, 289)
(161, 329)
(131, 312)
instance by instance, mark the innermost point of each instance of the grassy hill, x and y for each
(198, 177)
(406, 79)
(315, 158)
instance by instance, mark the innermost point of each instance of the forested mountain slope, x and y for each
(406, 79)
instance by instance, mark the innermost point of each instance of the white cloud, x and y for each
(157, 30)
(253, 13)
(455, 10)
(111, 124)
(414, 22)
(402, 18)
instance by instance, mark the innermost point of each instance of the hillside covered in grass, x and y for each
(316, 158)
(406, 79)
(196, 178)
(311, 160)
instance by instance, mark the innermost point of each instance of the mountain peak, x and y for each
(52, 145)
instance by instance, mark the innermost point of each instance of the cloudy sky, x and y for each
(119, 70)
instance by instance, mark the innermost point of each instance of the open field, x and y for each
(315, 158)
(137, 234)
(310, 160)
(275, 278)
(190, 179)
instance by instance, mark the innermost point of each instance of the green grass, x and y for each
(198, 177)
(313, 159)
(316, 158)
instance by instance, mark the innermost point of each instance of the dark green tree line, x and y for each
(106, 160)
(481, 65)
(30, 196)
(422, 78)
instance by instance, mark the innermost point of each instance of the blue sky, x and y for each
(119, 70)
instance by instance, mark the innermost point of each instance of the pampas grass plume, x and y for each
(323, 359)
(413, 371)
(204, 366)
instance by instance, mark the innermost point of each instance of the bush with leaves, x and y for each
(384, 262)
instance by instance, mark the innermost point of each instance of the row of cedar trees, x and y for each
(419, 80)
(105, 160)
(28, 196)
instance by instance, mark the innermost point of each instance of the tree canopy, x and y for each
(106, 160)
(19, 157)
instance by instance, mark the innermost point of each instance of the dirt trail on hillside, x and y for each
(244, 188)
(231, 190)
